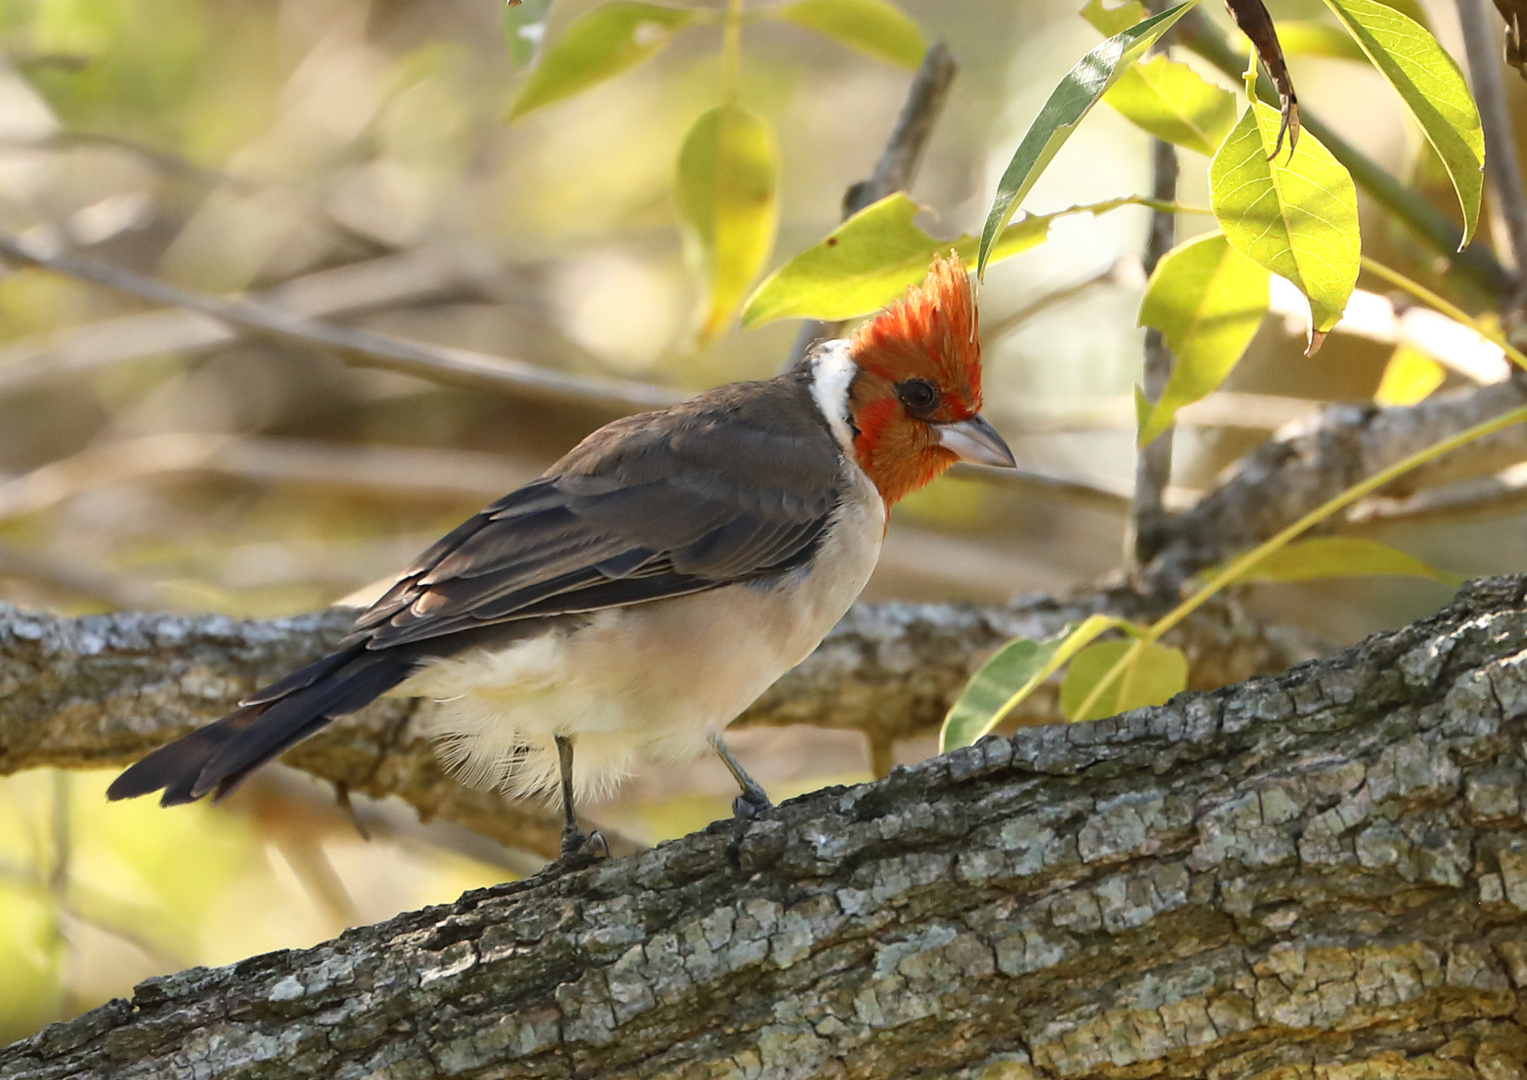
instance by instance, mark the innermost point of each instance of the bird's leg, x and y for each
(753, 801)
(574, 842)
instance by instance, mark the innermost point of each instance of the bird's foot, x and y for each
(751, 803)
(577, 846)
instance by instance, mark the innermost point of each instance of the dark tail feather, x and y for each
(219, 756)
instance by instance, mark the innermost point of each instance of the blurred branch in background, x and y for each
(450, 366)
(1508, 197)
(898, 162)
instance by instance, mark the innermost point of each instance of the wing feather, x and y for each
(734, 485)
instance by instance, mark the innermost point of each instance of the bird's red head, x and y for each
(915, 400)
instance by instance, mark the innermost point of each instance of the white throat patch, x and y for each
(832, 370)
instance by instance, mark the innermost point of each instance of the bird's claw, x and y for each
(576, 845)
(750, 804)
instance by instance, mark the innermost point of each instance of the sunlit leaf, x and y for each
(598, 45)
(1310, 37)
(872, 257)
(1013, 673)
(1340, 556)
(1073, 99)
(728, 168)
(1207, 299)
(1175, 103)
(1109, 21)
(1297, 215)
(1433, 89)
(876, 27)
(1409, 377)
(524, 24)
(1154, 673)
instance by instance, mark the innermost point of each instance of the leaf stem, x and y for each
(1238, 566)
(1451, 310)
(731, 53)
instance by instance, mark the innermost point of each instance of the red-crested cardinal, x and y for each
(649, 586)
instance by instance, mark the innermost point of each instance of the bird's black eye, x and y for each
(918, 396)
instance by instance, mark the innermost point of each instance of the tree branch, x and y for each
(435, 363)
(1323, 869)
(898, 162)
(1501, 165)
(1288, 476)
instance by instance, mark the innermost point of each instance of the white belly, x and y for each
(656, 678)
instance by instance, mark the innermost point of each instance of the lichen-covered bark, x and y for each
(104, 690)
(1322, 873)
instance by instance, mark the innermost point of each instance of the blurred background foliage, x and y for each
(355, 160)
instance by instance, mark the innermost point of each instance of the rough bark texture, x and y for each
(1322, 873)
(104, 690)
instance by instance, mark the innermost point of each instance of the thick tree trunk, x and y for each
(1322, 869)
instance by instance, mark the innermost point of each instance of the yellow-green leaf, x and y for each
(874, 256)
(1310, 37)
(1175, 103)
(1153, 673)
(1340, 556)
(1109, 21)
(728, 167)
(1013, 673)
(523, 24)
(602, 43)
(1068, 103)
(1207, 299)
(1409, 377)
(876, 27)
(1297, 216)
(1433, 89)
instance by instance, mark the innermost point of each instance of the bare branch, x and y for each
(898, 162)
(1288, 476)
(1322, 870)
(1150, 520)
(1509, 197)
(434, 363)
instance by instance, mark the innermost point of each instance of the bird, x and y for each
(651, 584)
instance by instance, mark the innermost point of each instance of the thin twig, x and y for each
(464, 368)
(897, 165)
(1501, 166)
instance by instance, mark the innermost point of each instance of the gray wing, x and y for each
(734, 485)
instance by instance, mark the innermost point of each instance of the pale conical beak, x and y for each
(975, 440)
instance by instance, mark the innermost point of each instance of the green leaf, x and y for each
(1409, 377)
(1175, 103)
(1433, 89)
(1207, 299)
(598, 45)
(1153, 674)
(874, 256)
(728, 167)
(1310, 37)
(1011, 675)
(1340, 556)
(523, 25)
(876, 27)
(1073, 99)
(1297, 215)
(1109, 21)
